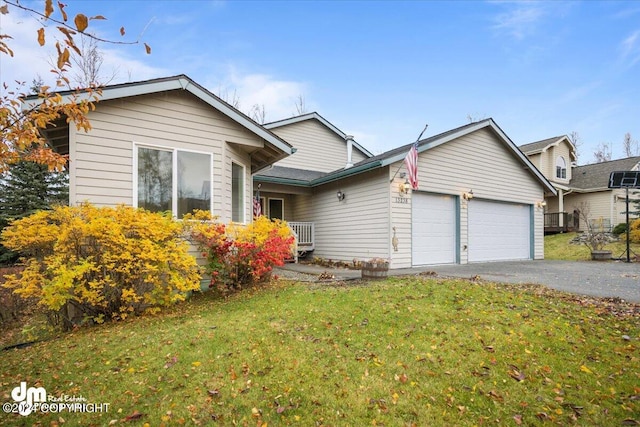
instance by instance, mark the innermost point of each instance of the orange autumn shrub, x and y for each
(238, 255)
(90, 263)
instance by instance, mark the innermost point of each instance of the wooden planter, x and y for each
(375, 269)
(600, 255)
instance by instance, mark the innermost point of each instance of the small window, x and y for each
(276, 209)
(237, 193)
(561, 168)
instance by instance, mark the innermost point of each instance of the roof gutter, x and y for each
(286, 181)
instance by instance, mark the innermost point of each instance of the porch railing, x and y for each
(560, 222)
(305, 234)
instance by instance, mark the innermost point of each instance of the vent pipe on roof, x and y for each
(349, 139)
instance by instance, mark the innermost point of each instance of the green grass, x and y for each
(557, 247)
(404, 351)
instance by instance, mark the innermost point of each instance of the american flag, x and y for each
(257, 207)
(411, 162)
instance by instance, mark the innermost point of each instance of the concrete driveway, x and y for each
(599, 279)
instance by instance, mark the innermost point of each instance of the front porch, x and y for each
(305, 236)
(560, 222)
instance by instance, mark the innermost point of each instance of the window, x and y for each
(237, 193)
(173, 180)
(561, 168)
(276, 209)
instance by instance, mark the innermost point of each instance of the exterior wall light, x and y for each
(403, 187)
(541, 204)
(340, 195)
(468, 195)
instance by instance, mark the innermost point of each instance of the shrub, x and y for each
(634, 236)
(86, 262)
(619, 229)
(239, 255)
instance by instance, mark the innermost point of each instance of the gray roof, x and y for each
(398, 154)
(596, 175)
(534, 147)
(291, 176)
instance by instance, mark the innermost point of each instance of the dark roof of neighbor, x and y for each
(538, 145)
(596, 175)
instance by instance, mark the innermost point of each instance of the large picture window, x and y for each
(173, 180)
(237, 193)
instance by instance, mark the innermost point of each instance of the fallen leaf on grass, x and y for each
(518, 419)
(172, 361)
(134, 416)
(583, 368)
(516, 373)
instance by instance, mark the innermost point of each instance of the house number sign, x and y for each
(402, 200)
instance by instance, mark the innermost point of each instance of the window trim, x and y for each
(561, 170)
(174, 174)
(243, 209)
(281, 201)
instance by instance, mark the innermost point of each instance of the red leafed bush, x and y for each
(240, 255)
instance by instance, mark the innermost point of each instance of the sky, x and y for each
(379, 70)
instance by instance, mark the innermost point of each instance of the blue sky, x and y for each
(382, 70)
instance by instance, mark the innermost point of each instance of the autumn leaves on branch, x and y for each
(22, 117)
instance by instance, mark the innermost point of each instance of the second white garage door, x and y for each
(498, 231)
(433, 229)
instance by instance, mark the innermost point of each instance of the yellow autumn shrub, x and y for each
(101, 262)
(634, 235)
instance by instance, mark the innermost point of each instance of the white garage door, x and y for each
(498, 231)
(433, 230)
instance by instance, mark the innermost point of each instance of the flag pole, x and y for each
(417, 140)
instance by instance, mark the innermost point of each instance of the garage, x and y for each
(433, 230)
(498, 231)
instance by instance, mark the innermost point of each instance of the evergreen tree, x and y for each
(26, 188)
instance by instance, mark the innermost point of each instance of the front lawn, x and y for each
(557, 247)
(404, 351)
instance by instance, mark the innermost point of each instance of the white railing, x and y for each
(305, 235)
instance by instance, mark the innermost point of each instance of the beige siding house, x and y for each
(579, 188)
(171, 145)
(167, 144)
(479, 199)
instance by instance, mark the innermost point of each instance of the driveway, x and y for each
(599, 279)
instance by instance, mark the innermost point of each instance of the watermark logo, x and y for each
(29, 399)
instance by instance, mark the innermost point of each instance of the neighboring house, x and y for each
(578, 186)
(479, 198)
(169, 144)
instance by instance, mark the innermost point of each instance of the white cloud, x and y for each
(519, 21)
(630, 49)
(277, 96)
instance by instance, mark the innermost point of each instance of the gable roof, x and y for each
(398, 154)
(322, 120)
(275, 148)
(540, 146)
(596, 176)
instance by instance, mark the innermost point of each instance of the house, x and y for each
(479, 198)
(579, 187)
(169, 144)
